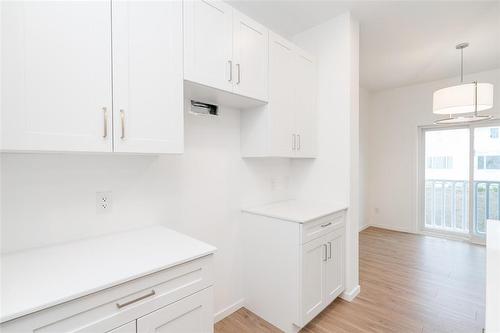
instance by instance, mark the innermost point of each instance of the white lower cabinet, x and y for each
(322, 273)
(292, 270)
(334, 265)
(313, 278)
(127, 328)
(193, 314)
(178, 299)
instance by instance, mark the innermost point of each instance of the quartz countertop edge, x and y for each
(34, 280)
(297, 211)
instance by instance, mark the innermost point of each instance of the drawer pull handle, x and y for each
(122, 118)
(105, 119)
(330, 252)
(239, 73)
(230, 70)
(326, 225)
(152, 293)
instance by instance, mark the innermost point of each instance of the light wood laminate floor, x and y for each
(409, 283)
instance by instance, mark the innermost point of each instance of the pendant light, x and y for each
(465, 99)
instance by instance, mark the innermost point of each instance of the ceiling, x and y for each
(401, 42)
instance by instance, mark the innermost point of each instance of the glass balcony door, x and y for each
(447, 180)
(486, 182)
(460, 182)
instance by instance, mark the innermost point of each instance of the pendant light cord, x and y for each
(461, 65)
(475, 98)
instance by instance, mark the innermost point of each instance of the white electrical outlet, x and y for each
(103, 202)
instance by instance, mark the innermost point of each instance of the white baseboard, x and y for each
(381, 226)
(351, 294)
(229, 310)
(364, 227)
(449, 236)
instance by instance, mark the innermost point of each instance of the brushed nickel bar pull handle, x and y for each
(326, 225)
(330, 250)
(152, 293)
(293, 141)
(298, 141)
(239, 73)
(105, 118)
(325, 252)
(122, 118)
(230, 70)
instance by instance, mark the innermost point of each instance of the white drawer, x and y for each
(194, 313)
(322, 226)
(99, 312)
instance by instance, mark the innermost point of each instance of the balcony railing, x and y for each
(446, 204)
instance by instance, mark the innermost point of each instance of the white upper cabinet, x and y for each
(112, 76)
(281, 117)
(208, 43)
(305, 104)
(250, 56)
(147, 76)
(94, 76)
(56, 76)
(224, 49)
(286, 126)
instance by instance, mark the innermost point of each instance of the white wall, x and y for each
(364, 102)
(390, 148)
(50, 198)
(333, 175)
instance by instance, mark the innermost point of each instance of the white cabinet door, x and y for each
(193, 314)
(127, 328)
(208, 44)
(147, 76)
(282, 120)
(334, 270)
(305, 104)
(250, 56)
(56, 75)
(314, 254)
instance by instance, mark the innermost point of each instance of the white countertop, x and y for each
(296, 210)
(493, 276)
(37, 279)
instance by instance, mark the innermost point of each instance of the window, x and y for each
(480, 162)
(493, 162)
(440, 162)
(488, 162)
(494, 132)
